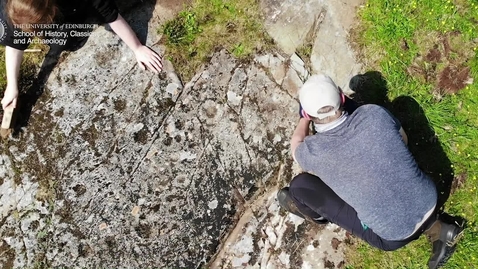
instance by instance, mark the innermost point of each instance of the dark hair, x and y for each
(24, 12)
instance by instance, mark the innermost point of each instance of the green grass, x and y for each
(395, 38)
(3, 72)
(207, 25)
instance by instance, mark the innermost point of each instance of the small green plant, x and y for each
(182, 30)
(42, 234)
(305, 52)
(238, 50)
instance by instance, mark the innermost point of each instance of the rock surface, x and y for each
(119, 168)
(319, 26)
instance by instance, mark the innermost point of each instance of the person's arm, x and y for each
(301, 131)
(404, 136)
(398, 125)
(145, 56)
(13, 60)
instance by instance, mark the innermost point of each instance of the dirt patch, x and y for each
(452, 79)
(458, 182)
(335, 243)
(434, 55)
(90, 135)
(348, 239)
(442, 62)
(174, 5)
(7, 255)
(297, 239)
(142, 136)
(79, 190)
(119, 105)
(329, 264)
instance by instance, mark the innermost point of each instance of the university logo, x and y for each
(3, 30)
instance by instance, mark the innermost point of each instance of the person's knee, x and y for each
(301, 180)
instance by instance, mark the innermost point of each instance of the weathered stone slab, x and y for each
(181, 160)
(331, 52)
(323, 25)
(288, 22)
(266, 238)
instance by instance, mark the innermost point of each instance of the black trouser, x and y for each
(313, 198)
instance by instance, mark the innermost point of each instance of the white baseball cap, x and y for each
(317, 92)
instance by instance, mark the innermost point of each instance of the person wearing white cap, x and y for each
(361, 175)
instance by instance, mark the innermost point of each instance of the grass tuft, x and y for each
(207, 25)
(182, 30)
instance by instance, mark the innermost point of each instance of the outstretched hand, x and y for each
(148, 59)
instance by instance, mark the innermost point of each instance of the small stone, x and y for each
(277, 138)
(135, 211)
(103, 226)
(90, 219)
(271, 235)
(213, 204)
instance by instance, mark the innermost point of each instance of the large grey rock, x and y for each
(145, 173)
(146, 168)
(331, 52)
(323, 25)
(289, 22)
(265, 238)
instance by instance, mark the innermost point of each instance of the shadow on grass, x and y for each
(371, 88)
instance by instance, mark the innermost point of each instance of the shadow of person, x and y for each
(424, 145)
(371, 88)
(136, 13)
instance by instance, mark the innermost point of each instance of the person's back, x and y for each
(360, 175)
(365, 161)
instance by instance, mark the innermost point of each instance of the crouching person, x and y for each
(361, 175)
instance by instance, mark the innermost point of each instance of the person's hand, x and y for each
(147, 58)
(302, 113)
(10, 97)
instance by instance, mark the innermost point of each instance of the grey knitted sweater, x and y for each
(366, 163)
